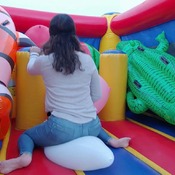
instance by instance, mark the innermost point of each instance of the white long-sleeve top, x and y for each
(68, 96)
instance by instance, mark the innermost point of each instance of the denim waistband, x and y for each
(59, 119)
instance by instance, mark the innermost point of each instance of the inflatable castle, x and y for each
(135, 55)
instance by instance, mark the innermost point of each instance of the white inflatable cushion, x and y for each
(85, 153)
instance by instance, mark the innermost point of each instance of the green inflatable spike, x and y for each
(95, 55)
(151, 78)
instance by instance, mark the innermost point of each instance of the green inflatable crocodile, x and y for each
(151, 78)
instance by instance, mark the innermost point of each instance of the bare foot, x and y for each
(119, 143)
(10, 165)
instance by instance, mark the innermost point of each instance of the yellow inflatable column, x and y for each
(30, 95)
(110, 39)
(113, 68)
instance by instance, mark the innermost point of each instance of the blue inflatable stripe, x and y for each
(95, 42)
(147, 37)
(113, 52)
(125, 164)
(1, 144)
(153, 122)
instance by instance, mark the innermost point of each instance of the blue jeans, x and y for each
(56, 131)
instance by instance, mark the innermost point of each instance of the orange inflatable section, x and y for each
(8, 49)
(5, 109)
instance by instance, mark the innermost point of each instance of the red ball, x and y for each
(39, 34)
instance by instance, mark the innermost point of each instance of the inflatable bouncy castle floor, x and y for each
(135, 54)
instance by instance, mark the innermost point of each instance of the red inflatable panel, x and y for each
(148, 14)
(155, 147)
(87, 26)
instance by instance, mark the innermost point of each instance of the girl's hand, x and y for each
(35, 49)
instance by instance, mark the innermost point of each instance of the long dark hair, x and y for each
(63, 43)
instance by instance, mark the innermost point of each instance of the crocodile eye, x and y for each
(137, 84)
(164, 60)
(140, 48)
